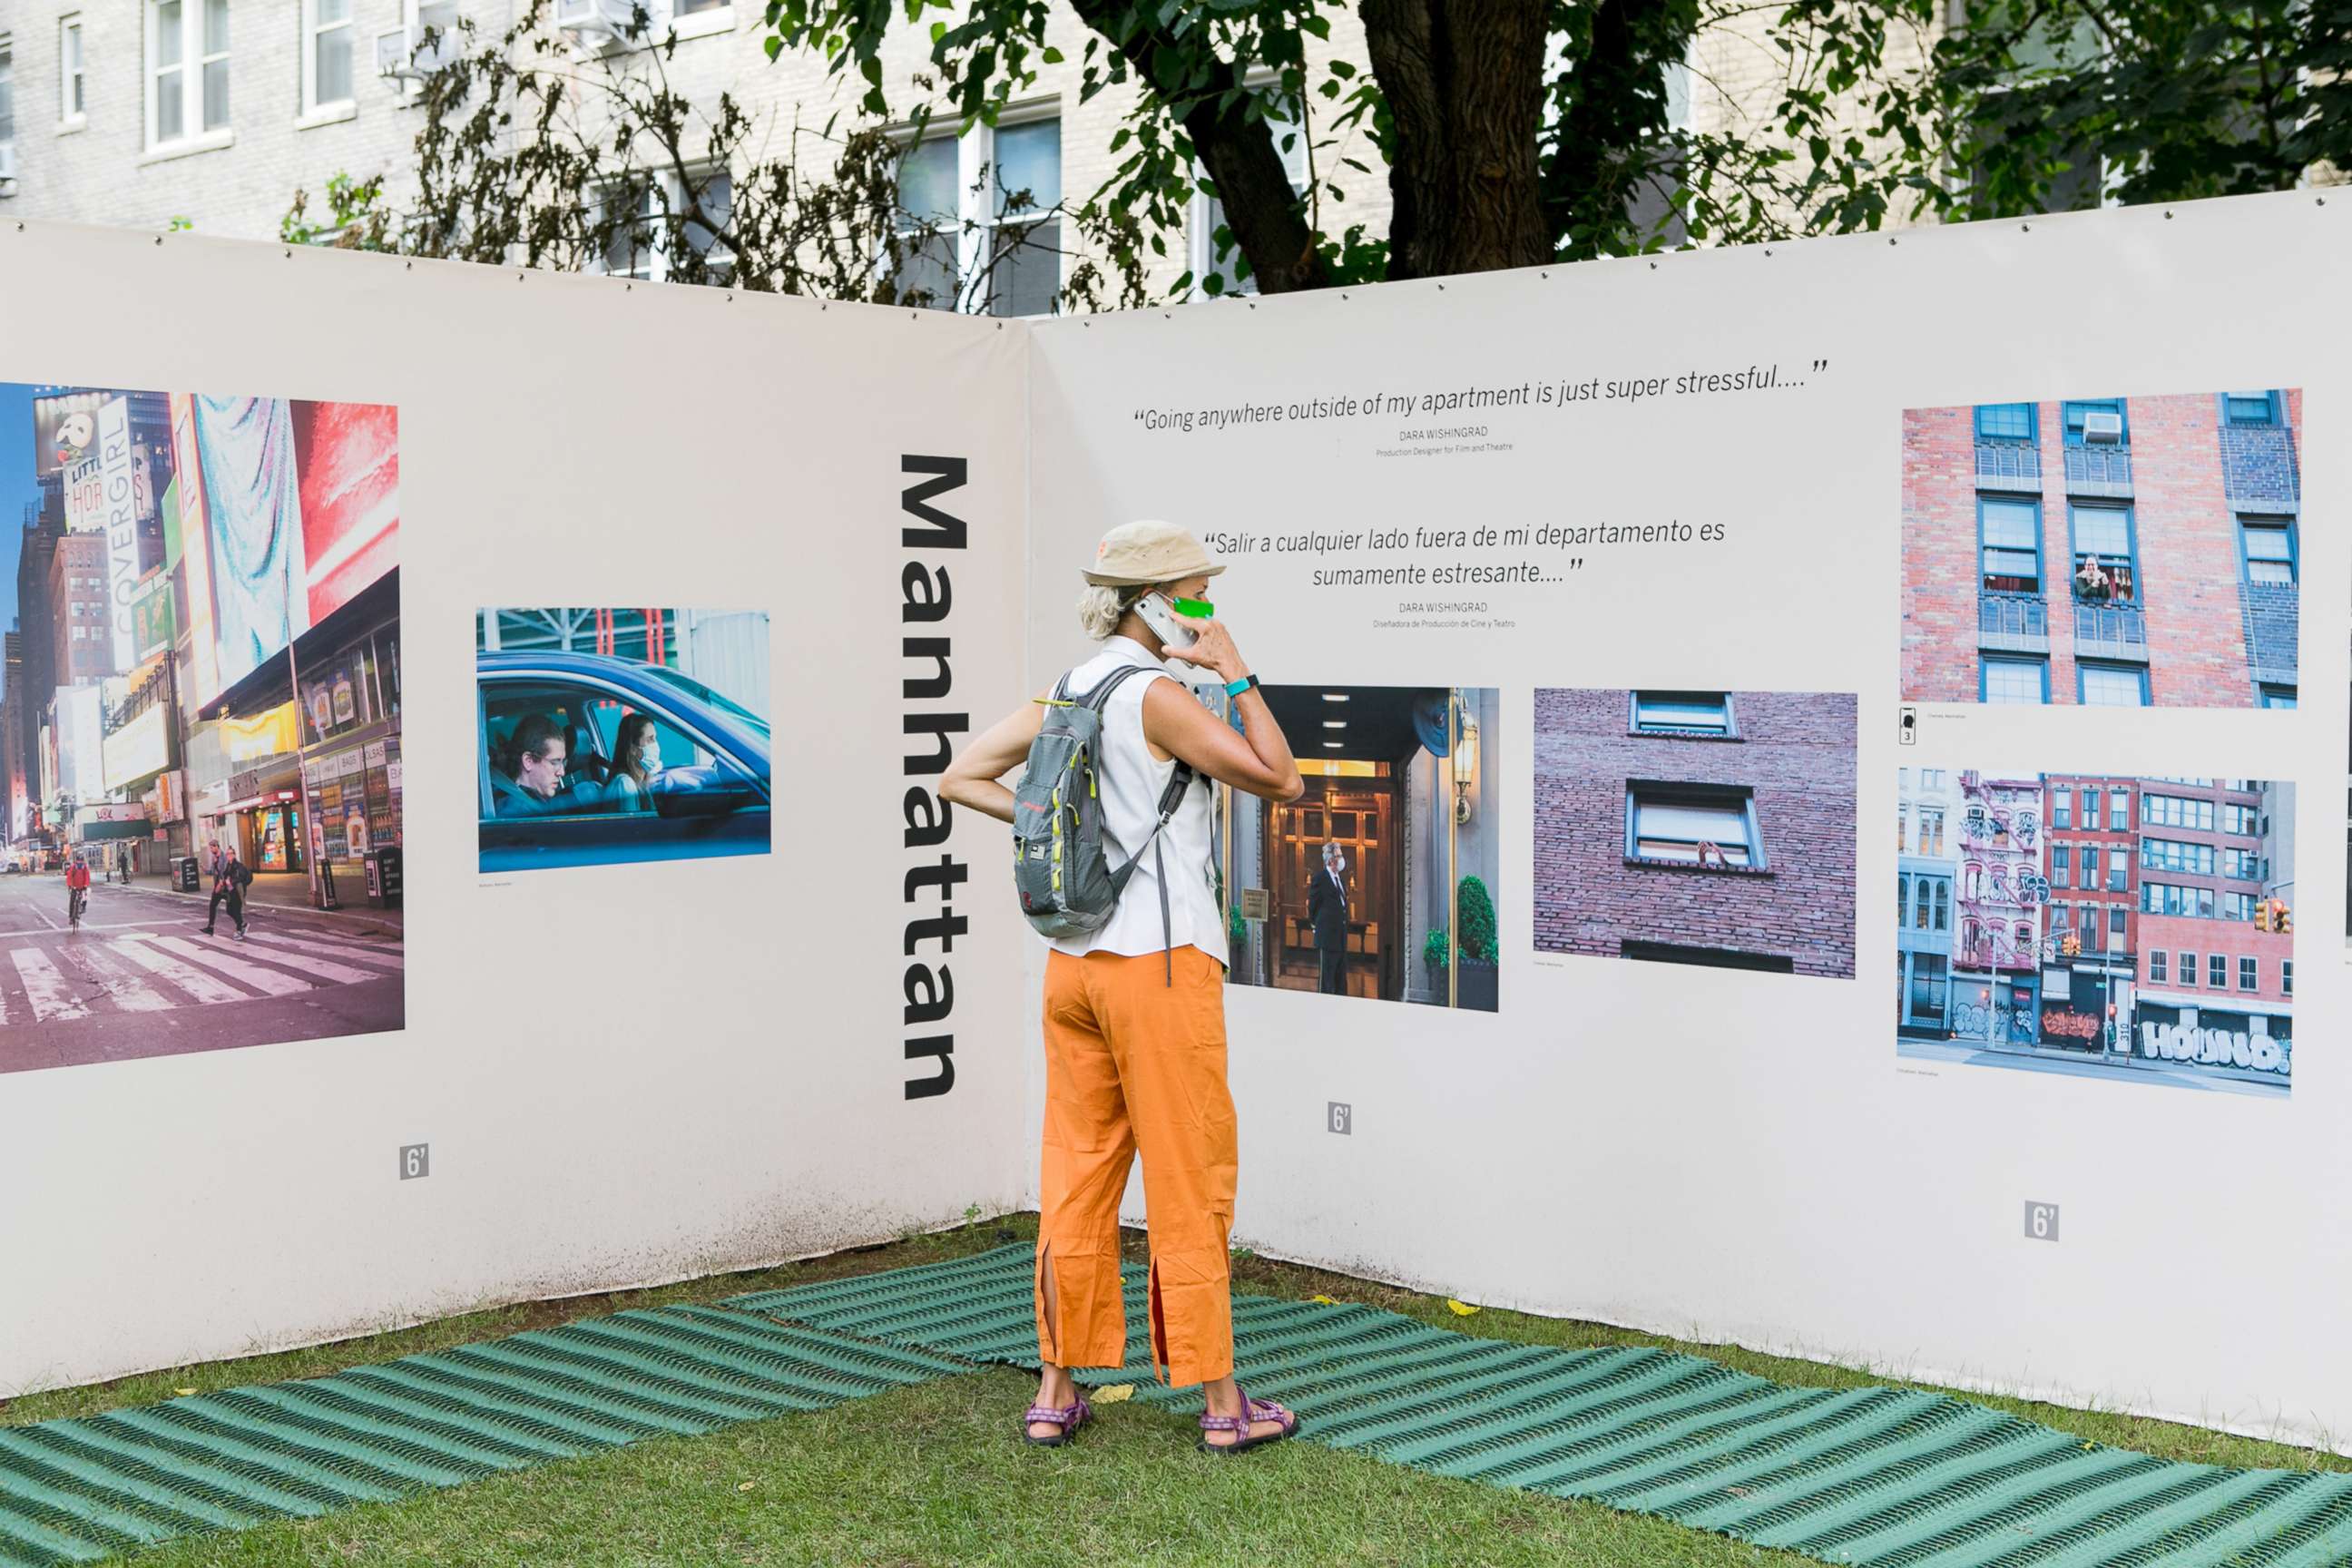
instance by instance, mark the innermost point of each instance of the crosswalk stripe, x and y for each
(45, 988)
(270, 939)
(308, 963)
(195, 982)
(269, 981)
(323, 939)
(106, 972)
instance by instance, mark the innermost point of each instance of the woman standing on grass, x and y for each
(1134, 1012)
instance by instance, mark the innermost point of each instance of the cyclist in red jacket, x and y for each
(76, 888)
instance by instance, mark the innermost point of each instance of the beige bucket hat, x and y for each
(1138, 555)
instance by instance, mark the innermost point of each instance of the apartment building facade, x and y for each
(211, 114)
(2127, 551)
(1927, 846)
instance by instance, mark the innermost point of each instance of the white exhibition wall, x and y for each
(643, 1072)
(1728, 1156)
(626, 1073)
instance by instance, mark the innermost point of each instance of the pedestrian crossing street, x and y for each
(59, 976)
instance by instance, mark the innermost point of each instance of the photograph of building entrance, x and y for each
(1707, 828)
(603, 736)
(1353, 888)
(2135, 929)
(200, 724)
(2109, 551)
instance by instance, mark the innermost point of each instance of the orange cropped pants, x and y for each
(1134, 1063)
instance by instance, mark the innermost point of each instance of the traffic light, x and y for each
(2072, 947)
(2262, 916)
(2282, 918)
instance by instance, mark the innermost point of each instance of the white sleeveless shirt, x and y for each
(1132, 780)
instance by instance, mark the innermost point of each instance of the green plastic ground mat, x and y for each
(81, 1490)
(1888, 1477)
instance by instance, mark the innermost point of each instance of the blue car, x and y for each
(711, 796)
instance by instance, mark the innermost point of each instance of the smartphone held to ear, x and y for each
(1175, 622)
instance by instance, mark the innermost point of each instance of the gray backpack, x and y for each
(1061, 869)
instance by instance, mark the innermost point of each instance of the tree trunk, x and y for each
(1463, 80)
(1260, 208)
(1239, 156)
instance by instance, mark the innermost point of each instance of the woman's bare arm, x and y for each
(974, 778)
(1257, 761)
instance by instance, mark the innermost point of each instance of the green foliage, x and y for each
(356, 217)
(1480, 943)
(526, 155)
(1479, 929)
(2155, 100)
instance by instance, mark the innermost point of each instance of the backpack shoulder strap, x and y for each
(1099, 693)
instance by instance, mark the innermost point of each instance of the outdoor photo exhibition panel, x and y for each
(699, 999)
(1616, 613)
(1793, 583)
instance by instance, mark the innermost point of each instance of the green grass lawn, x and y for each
(935, 1474)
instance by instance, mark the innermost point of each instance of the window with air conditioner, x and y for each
(2098, 422)
(429, 37)
(604, 24)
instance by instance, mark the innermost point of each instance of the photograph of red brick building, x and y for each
(1707, 827)
(2117, 552)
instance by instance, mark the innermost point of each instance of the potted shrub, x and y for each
(1479, 970)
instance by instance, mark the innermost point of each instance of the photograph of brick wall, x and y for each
(2115, 552)
(1709, 827)
(2092, 925)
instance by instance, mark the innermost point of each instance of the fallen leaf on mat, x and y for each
(1461, 1309)
(1327, 1301)
(183, 1392)
(1112, 1392)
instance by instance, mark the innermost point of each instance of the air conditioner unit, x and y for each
(410, 53)
(7, 162)
(599, 25)
(2102, 428)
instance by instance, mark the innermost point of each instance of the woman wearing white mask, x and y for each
(636, 758)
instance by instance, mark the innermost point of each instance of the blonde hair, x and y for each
(1101, 609)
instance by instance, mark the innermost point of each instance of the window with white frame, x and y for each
(667, 221)
(1699, 825)
(326, 44)
(72, 100)
(1215, 249)
(7, 103)
(187, 71)
(978, 228)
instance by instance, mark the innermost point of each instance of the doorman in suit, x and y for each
(1326, 909)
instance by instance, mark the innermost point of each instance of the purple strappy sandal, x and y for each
(1068, 1417)
(1253, 1412)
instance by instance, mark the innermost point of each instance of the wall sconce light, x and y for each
(1466, 766)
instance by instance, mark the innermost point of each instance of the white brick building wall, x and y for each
(239, 184)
